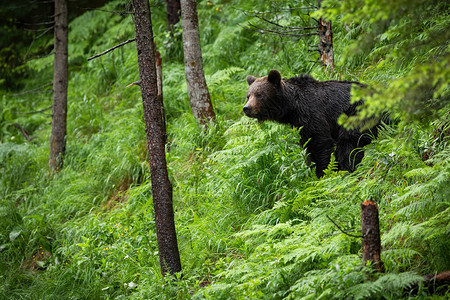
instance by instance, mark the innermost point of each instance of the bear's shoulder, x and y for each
(301, 80)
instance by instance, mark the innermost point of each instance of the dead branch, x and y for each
(36, 90)
(284, 9)
(23, 131)
(343, 231)
(36, 112)
(36, 38)
(111, 11)
(111, 49)
(39, 56)
(333, 234)
(277, 32)
(276, 24)
(37, 24)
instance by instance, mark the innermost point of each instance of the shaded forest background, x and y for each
(252, 219)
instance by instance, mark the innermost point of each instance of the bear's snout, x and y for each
(247, 110)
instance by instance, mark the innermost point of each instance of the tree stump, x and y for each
(371, 235)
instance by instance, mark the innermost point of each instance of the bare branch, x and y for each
(39, 56)
(111, 49)
(36, 90)
(332, 234)
(277, 32)
(37, 111)
(34, 39)
(37, 24)
(46, 29)
(343, 231)
(276, 24)
(284, 9)
(111, 11)
(23, 131)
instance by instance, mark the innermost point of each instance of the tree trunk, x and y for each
(173, 13)
(197, 89)
(158, 64)
(326, 42)
(154, 128)
(371, 235)
(60, 83)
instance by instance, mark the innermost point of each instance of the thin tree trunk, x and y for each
(60, 83)
(371, 235)
(154, 128)
(173, 13)
(197, 89)
(158, 64)
(326, 42)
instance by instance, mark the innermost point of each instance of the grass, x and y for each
(251, 217)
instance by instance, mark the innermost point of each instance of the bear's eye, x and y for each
(258, 95)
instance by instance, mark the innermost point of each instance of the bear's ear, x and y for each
(250, 79)
(274, 77)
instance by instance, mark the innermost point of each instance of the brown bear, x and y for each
(314, 106)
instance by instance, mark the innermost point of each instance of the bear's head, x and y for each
(264, 97)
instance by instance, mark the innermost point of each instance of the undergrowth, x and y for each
(253, 221)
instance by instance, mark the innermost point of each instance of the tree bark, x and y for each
(154, 128)
(173, 13)
(371, 235)
(60, 83)
(199, 97)
(326, 42)
(158, 64)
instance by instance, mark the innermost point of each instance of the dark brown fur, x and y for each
(314, 106)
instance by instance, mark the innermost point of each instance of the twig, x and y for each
(36, 112)
(331, 234)
(111, 49)
(283, 9)
(39, 56)
(278, 25)
(343, 231)
(37, 24)
(277, 32)
(34, 39)
(46, 29)
(23, 131)
(33, 90)
(111, 11)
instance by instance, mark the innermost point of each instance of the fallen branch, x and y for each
(111, 49)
